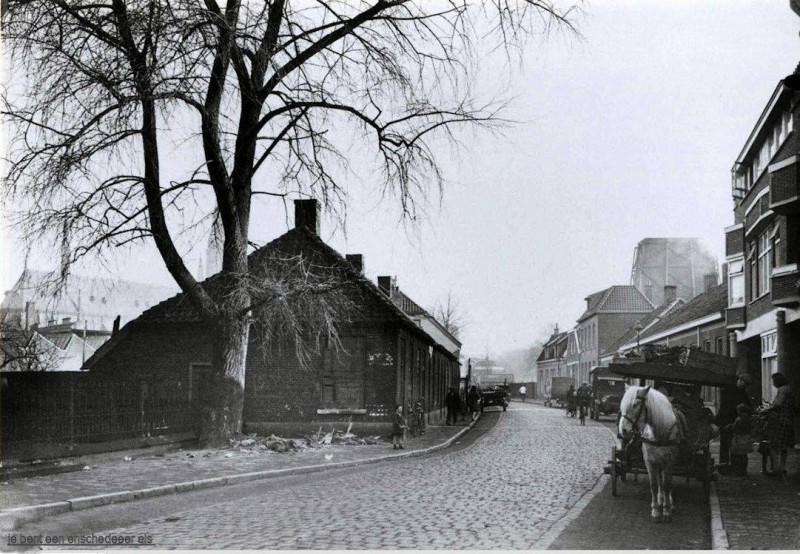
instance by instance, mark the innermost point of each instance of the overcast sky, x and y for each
(628, 133)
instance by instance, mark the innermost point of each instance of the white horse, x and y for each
(648, 414)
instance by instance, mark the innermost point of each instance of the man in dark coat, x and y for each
(453, 404)
(731, 397)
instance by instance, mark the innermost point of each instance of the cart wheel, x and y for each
(614, 471)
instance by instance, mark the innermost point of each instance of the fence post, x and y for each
(72, 410)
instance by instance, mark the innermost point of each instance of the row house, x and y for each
(762, 246)
(551, 360)
(392, 351)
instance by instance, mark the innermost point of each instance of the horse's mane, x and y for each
(661, 416)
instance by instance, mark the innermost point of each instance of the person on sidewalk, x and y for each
(523, 390)
(474, 401)
(399, 430)
(453, 404)
(741, 440)
(731, 398)
(782, 434)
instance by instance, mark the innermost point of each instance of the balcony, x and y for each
(784, 285)
(735, 318)
(784, 188)
(734, 240)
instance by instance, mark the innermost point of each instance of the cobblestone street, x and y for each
(505, 491)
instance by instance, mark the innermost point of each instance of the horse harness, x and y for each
(635, 424)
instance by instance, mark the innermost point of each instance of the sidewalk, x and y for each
(113, 480)
(760, 512)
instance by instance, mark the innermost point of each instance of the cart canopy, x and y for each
(676, 373)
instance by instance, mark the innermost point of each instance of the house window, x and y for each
(753, 268)
(707, 346)
(721, 346)
(764, 262)
(775, 246)
(769, 364)
(736, 283)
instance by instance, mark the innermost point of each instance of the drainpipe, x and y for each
(781, 346)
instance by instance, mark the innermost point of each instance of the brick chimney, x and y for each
(306, 215)
(385, 284)
(357, 261)
(670, 293)
(709, 280)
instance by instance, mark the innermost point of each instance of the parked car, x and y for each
(494, 395)
(607, 391)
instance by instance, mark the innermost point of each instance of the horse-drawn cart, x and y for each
(665, 429)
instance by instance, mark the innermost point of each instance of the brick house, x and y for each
(622, 345)
(762, 247)
(609, 314)
(387, 357)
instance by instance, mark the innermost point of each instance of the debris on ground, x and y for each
(274, 443)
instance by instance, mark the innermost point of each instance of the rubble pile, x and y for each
(255, 443)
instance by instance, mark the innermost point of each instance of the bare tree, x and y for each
(23, 349)
(263, 91)
(451, 315)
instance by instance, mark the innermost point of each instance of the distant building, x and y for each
(609, 314)
(551, 361)
(681, 262)
(37, 300)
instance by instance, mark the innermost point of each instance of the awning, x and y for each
(675, 373)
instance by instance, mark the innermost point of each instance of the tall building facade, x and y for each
(762, 246)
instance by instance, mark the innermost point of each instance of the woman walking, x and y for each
(782, 435)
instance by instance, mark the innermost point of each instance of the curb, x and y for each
(572, 514)
(13, 518)
(719, 537)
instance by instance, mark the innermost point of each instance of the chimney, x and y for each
(724, 272)
(670, 293)
(385, 284)
(709, 280)
(306, 215)
(357, 261)
(555, 331)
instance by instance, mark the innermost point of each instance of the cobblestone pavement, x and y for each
(516, 482)
(761, 512)
(145, 470)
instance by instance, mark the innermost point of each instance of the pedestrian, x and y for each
(474, 401)
(523, 390)
(782, 433)
(399, 429)
(731, 398)
(741, 440)
(582, 397)
(419, 416)
(452, 402)
(571, 400)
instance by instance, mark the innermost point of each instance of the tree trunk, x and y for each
(223, 404)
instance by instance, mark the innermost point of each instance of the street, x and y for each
(526, 468)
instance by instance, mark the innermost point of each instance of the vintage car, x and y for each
(607, 391)
(494, 395)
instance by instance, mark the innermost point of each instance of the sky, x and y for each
(626, 133)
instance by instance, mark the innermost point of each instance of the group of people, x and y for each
(738, 428)
(578, 401)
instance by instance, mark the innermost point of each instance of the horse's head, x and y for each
(632, 411)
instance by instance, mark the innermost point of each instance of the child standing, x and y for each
(742, 441)
(399, 431)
